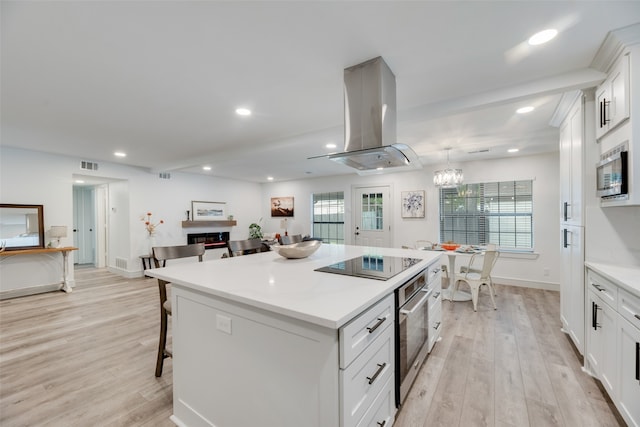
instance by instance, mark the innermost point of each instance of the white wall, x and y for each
(28, 177)
(544, 169)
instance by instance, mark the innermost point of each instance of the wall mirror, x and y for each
(21, 226)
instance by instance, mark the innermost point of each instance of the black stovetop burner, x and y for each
(377, 267)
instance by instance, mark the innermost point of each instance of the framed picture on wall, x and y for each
(282, 206)
(413, 204)
(208, 211)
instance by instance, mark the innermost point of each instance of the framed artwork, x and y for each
(208, 211)
(413, 204)
(282, 206)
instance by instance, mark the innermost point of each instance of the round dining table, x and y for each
(446, 293)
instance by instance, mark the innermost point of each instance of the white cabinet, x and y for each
(572, 164)
(572, 295)
(613, 339)
(435, 305)
(601, 337)
(612, 98)
(629, 357)
(367, 365)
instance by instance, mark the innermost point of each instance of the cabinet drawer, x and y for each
(435, 324)
(629, 307)
(436, 295)
(434, 273)
(363, 330)
(606, 290)
(365, 378)
(383, 409)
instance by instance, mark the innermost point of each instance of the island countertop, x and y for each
(291, 287)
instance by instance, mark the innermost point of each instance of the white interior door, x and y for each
(84, 236)
(372, 223)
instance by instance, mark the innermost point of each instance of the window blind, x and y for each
(328, 216)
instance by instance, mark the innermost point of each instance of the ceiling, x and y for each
(160, 80)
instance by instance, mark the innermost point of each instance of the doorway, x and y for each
(90, 219)
(372, 221)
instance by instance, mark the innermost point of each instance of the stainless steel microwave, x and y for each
(612, 175)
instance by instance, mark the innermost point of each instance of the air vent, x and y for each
(121, 263)
(485, 150)
(164, 175)
(88, 166)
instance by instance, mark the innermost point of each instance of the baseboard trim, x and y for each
(125, 273)
(31, 290)
(548, 286)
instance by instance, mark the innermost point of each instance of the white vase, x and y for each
(152, 242)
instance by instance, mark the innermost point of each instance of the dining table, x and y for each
(451, 255)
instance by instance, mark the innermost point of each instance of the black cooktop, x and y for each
(377, 267)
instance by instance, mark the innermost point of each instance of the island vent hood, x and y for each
(370, 121)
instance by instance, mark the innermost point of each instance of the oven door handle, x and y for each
(418, 304)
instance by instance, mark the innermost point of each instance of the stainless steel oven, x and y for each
(412, 331)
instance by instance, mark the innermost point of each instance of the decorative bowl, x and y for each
(450, 246)
(297, 250)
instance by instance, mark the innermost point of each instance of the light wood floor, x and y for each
(87, 359)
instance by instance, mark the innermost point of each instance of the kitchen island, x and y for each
(264, 340)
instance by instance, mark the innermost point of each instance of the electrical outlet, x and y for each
(223, 323)
(546, 271)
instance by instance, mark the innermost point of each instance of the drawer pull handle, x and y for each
(436, 295)
(599, 288)
(638, 361)
(637, 316)
(382, 424)
(437, 326)
(377, 325)
(380, 369)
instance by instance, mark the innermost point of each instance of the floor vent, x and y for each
(121, 263)
(88, 166)
(164, 175)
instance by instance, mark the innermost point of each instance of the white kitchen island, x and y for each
(264, 340)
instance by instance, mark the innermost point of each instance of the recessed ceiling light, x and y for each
(120, 154)
(206, 168)
(525, 110)
(513, 150)
(79, 181)
(243, 111)
(331, 145)
(380, 168)
(269, 178)
(542, 37)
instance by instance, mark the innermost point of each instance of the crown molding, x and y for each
(614, 45)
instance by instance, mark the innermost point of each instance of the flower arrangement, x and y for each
(150, 226)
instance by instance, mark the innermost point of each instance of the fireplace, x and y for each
(215, 240)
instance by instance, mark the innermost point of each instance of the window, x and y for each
(498, 212)
(328, 217)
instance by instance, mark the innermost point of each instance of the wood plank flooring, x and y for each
(88, 358)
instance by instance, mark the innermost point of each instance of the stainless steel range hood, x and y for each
(370, 121)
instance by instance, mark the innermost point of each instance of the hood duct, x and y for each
(370, 121)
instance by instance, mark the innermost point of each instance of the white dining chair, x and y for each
(475, 280)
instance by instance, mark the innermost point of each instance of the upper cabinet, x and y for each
(612, 98)
(572, 163)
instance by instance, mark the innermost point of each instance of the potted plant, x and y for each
(255, 231)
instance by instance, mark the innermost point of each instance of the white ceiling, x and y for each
(160, 80)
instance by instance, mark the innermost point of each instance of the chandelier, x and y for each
(448, 178)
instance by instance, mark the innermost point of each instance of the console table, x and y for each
(65, 253)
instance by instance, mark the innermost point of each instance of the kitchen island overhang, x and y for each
(256, 338)
(291, 287)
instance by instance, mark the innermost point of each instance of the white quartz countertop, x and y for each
(625, 277)
(291, 287)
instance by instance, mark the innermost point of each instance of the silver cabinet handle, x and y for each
(380, 369)
(437, 326)
(436, 295)
(377, 325)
